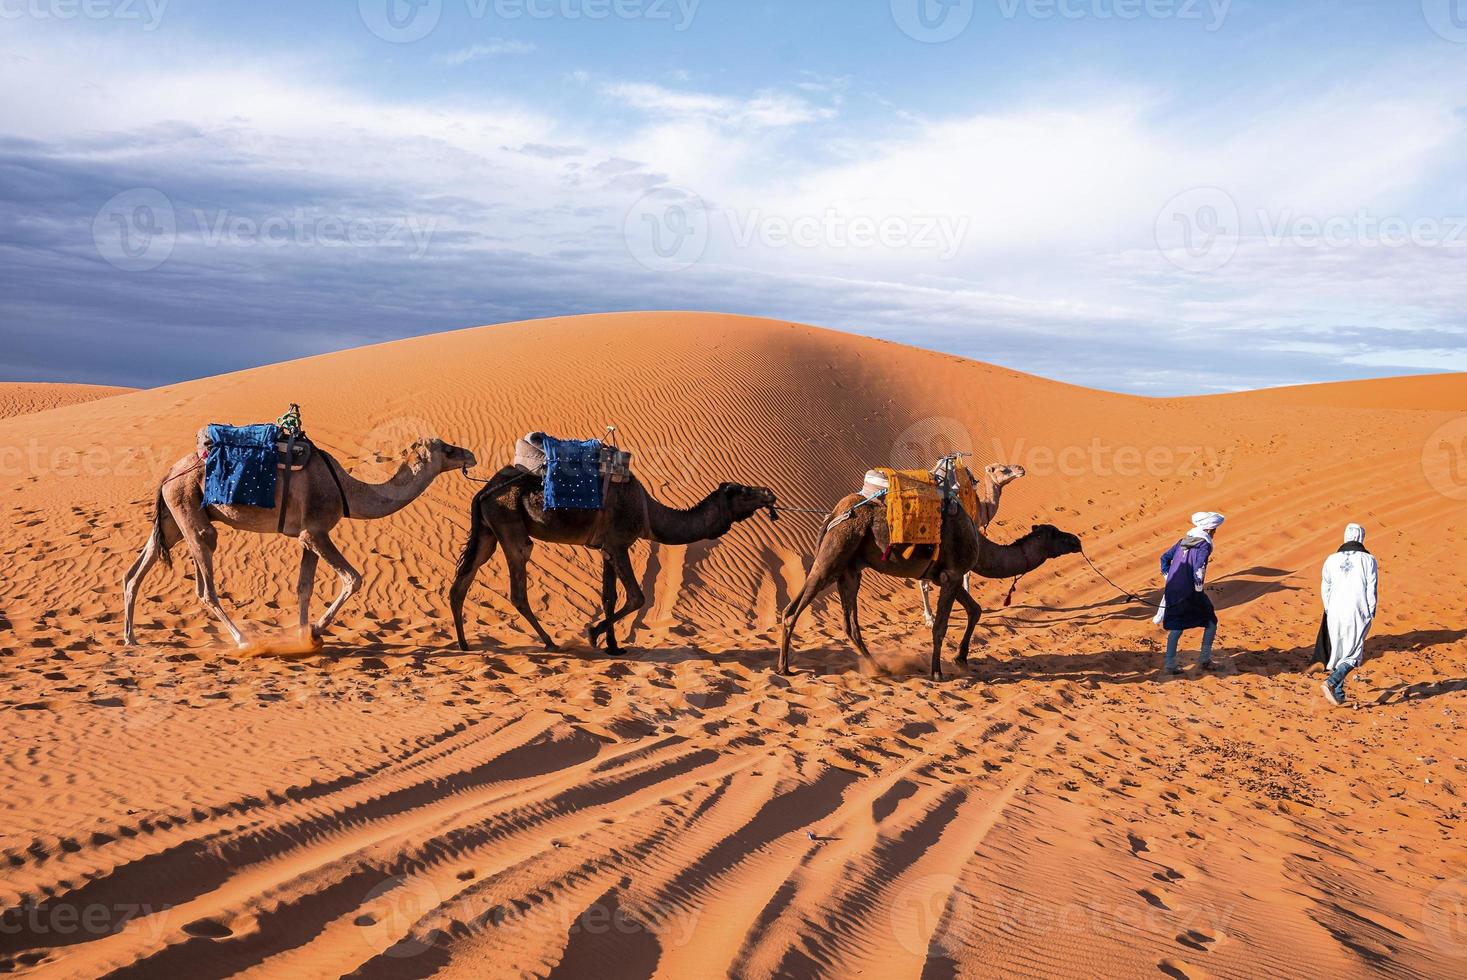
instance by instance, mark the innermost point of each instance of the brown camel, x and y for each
(314, 508)
(513, 514)
(996, 476)
(849, 546)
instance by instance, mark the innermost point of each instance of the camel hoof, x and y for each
(551, 646)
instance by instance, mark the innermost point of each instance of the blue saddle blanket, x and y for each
(241, 465)
(573, 474)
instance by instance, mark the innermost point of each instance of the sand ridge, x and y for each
(393, 807)
(22, 398)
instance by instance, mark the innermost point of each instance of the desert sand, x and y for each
(393, 807)
(22, 398)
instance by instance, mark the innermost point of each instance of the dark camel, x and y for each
(314, 508)
(514, 516)
(848, 547)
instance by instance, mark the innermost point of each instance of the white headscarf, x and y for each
(1355, 533)
(1204, 522)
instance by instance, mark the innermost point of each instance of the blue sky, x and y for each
(1157, 196)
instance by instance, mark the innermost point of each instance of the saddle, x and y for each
(614, 464)
(293, 453)
(915, 503)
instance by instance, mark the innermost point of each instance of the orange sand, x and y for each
(393, 807)
(22, 398)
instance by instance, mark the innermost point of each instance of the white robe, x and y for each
(1349, 585)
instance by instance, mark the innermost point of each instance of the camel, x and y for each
(996, 476)
(320, 496)
(511, 512)
(848, 546)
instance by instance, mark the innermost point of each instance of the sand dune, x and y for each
(392, 807)
(22, 398)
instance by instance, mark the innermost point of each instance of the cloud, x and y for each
(489, 49)
(1058, 270)
(768, 109)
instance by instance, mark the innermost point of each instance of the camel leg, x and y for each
(823, 575)
(926, 602)
(596, 627)
(133, 583)
(850, 590)
(517, 549)
(975, 612)
(949, 583)
(307, 582)
(351, 580)
(201, 544)
(622, 562)
(488, 541)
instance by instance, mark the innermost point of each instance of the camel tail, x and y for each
(476, 532)
(160, 540)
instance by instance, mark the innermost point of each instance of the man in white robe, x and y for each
(1349, 588)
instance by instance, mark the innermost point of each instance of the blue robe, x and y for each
(1185, 568)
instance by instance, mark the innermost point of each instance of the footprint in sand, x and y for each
(1182, 970)
(208, 929)
(1200, 940)
(1154, 897)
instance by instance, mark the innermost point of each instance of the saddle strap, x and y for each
(598, 526)
(285, 487)
(331, 468)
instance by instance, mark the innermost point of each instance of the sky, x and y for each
(1152, 196)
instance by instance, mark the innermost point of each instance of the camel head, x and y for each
(442, 456)
(1055, 541)
(744, 502)
(1000, 474)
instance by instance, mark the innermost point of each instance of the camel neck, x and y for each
(370, 501)
(1008, 560)
(704, 520)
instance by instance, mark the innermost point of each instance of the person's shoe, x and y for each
(1208, 665)
(1331, 696)
(1171, 670)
